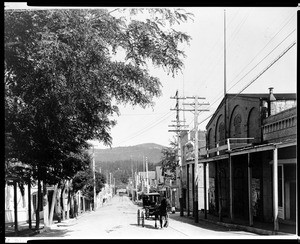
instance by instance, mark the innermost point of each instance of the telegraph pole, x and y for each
(147, 177)
(178, 131)
(196, 111)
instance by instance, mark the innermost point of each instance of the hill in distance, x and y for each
(135, 153)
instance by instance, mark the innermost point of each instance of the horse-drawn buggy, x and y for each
(151, 203)
(152, 208)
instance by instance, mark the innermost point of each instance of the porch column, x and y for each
(275, 188)
(230, 189)
(205, 192)
(249, 192)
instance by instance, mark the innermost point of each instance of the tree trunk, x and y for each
(45, 205)
(72, 205)
(62, 199)
(37, 214)
(52, 205)
(58, 205)
(68, 200)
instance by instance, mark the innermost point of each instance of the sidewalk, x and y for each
(262, 228)
(25, 231)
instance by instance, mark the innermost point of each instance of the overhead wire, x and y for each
(290, 46)
(220, 94)
(260, 51)
(146, 129)
(252, 81)
(219, 54)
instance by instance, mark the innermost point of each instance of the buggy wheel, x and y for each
(138, 217)
(143, 219)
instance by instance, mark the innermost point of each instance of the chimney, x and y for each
(271, 105)
(271, 96)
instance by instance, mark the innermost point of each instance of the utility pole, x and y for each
(132, 180)
(147, 176)
(196, 152)
(114, 186)
(178, 131)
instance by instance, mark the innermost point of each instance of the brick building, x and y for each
(245, 136)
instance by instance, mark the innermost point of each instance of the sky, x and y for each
(259, 53)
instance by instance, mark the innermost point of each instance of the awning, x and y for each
(261, 148)
(216, 158)
(286, 161)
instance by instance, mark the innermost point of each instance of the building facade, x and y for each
(245, 136)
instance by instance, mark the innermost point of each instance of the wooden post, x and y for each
(205, 191)
(275, 188)
(249, 192)
(196, 159)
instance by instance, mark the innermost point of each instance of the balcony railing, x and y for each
(229, 144)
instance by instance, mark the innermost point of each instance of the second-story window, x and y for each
(237, 125)
(222, 134)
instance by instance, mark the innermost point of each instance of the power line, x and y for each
(260, 74)
(256, 56)
(163, 118)
(284, 25)
(262, 59)
(269, 66)
(261, 51)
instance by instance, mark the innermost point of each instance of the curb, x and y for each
(247, 228)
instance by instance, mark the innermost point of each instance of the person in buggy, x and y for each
(163, 212)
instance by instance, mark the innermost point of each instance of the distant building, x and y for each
(188, 167)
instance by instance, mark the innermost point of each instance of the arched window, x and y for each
(222, 134)
(209, 139)
(237, 125)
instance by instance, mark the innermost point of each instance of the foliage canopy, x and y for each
(63, 82)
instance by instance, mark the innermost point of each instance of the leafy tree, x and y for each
(169, 161)
(63, 84)
(84, 181)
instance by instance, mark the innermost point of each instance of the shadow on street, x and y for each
(202, 224)
(145, 226)
(55, 233)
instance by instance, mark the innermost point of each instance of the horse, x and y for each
(160, 212)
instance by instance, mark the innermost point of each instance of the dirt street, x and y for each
(118, 220)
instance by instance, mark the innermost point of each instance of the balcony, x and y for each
(227, 145)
